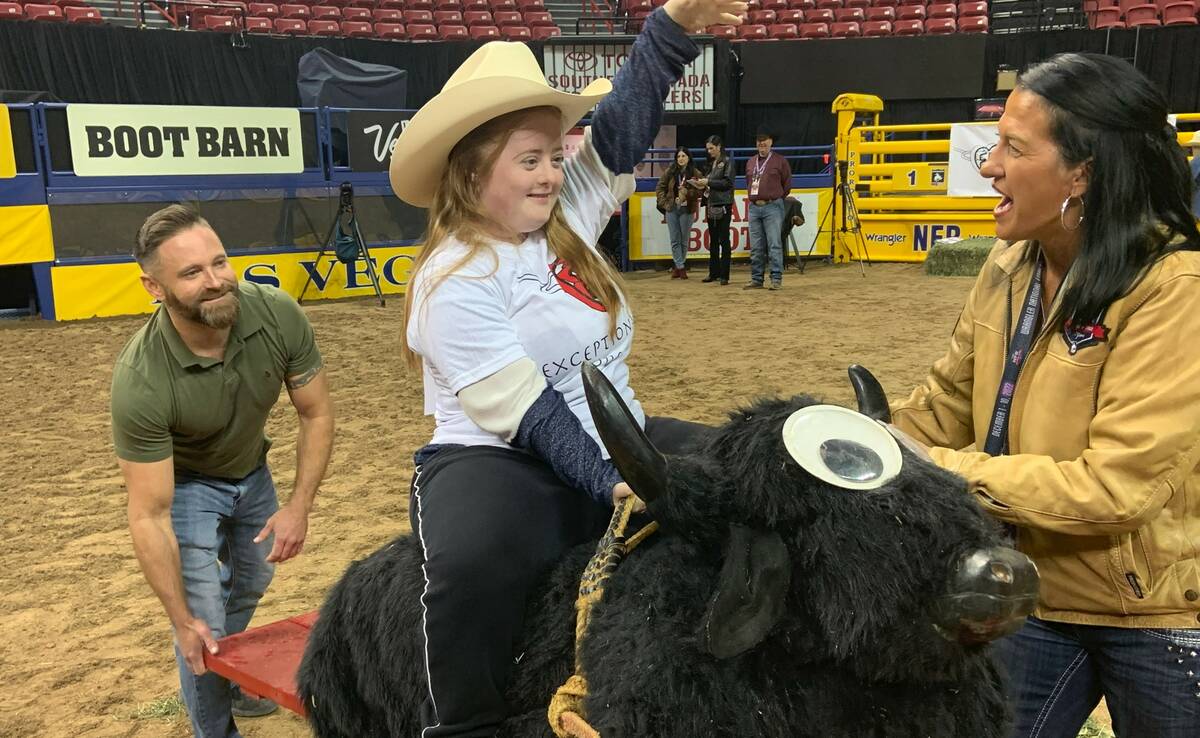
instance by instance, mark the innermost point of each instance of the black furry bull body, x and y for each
(771, 603)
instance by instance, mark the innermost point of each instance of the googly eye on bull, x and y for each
(842, 447)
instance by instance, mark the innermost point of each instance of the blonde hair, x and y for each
(455, 213)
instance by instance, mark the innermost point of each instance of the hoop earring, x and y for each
(1062, 213)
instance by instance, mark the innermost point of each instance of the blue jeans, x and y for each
(1150, 679)
(766, 225)
(224, 575)
(679, 225)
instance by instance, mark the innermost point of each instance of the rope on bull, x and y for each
(566, 713)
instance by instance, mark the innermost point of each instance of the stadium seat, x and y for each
(424, 17)
(452, 32)
(541, 33)
(830, 4)
(819, 15)
(802, 4)
(476, 5)
(881, 14)
(751, 32)
(357, 29)
(886, 3)
(390, 4)
(421, 31)
(293, 12)
(325, 12)
(973, 24)
(814, 30)
(496, 5)
(388, 29)
(445, 5)
(356, 13)
(942, 10)
(69, 3)
(259, 25)
(911, 12)
(386, 15)
(845, 30)
(877, 28)
(911, 2)
(324, 28)
(909, 27)
(485, 32)
(527, 5)
(478, 18)
(776, 5)
(291, 26)
(44, 13)
(1179, 14)
(418, 5)
(783, 31)
(11, 11)
(508, 18)
(864, 4)
(86, 15)
(448, 18)
(1139, 15)
(761, 17)
(263, 10)
(516, 33)
(790, 16)
(940, 26)
(849, 15)
(722, 31)
(972, 8)
(1105, 18)
(368, 4)
(221, 23)
(534, 18)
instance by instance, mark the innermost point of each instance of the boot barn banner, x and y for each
(163, 140)
(970, 145)
(649, 238)
(571, 67)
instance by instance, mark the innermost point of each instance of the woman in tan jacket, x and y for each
(1070, 398)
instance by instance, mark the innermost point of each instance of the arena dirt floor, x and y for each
(84, 646)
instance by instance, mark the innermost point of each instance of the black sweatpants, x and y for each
(493, 521)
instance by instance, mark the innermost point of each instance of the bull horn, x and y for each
(872, 401)
(641, 465)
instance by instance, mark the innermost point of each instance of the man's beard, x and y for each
(217, 315)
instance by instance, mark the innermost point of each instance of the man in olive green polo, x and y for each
(190, 397)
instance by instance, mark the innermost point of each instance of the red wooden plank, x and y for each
(264, 660)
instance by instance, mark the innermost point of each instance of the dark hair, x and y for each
(764, 133)
(689, 171)
(1105, 113)
(715, 140)
(162, 226)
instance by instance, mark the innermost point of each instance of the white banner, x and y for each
(571, 67)
(970, 144)
(140, 140)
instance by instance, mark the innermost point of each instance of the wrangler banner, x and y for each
(162, 140)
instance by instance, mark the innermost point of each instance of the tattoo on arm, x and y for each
(300, 380)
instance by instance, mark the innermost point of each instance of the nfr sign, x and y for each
(925, 235)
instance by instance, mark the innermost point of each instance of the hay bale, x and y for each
(958, 257)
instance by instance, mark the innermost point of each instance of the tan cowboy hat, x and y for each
(500, 77)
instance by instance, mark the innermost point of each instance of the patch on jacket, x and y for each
(1082, 335)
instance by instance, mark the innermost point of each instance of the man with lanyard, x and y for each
(190, 397)
(1194, 143)
(768, 181)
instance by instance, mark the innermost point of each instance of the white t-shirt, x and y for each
(520, 300)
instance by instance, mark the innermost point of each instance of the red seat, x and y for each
(940, 26)
(368, 4)
(975, 7)
(973, 24)
(516, 33)
(534, 18)
(387, 15)
(356, 14)
(845, 30)
(541, 33)
(849, 15)
(820, 15)
(527, 5)
(388, 29)
(886, 3)
(325, 12)
(11, 11)
(1107, 18)
(448, 18)
(830, 4)
(750, 32)
(908, 27)
(761, 17)
(508, 18)
(802, 4)
(1179, 14)
(69, 3)
(877, 28)
(942, 10)
(488, 32)
(424, 17)
(44, 13)
(259, 25)
(291, 26)
(422, 31)
(324, 28)
(476, 5)
(447, 5)
(293, 12)
(881, 14)
(1139, 15)
(911, 12)
(723, 31)
(790, 16)
(339, 4)
(814, 30)
(222, 23)
(84, 15)
(264, 10)
(502, 5)
(783, 31)
(390, 4)
(451, 32)
(776, 5)
(864, 4)
(357, 29)
(418, 5)
(477, 18)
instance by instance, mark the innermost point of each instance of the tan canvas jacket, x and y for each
(1101, 477)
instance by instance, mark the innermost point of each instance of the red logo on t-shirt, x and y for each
(570, 282)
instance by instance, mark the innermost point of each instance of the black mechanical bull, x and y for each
(810, 578)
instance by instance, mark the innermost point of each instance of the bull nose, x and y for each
(990, 593)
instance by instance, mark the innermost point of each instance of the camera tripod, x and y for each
(347, 244)
(850, 221)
